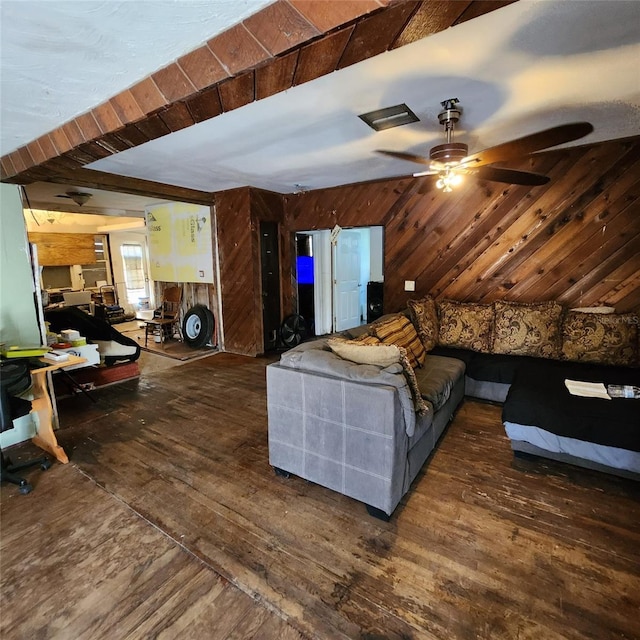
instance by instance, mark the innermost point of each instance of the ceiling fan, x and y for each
(450, 161)
(79, 197)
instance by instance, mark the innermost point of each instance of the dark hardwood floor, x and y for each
(169, 522)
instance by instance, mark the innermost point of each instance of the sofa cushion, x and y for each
(488, 367)
(399, 330)
(465, 325)
(424, 316)
(437, 377)
(528, 329)
(466, 355)
(600, 338)
(539, 398)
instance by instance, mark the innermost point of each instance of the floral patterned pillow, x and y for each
(528, 329)
(425, 319)
(465, 325)
(601, 338)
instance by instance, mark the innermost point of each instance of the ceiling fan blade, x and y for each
(405, 156)
(528, 144)
(510, 176)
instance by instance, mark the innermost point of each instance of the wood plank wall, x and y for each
(237, 266)
(575, 240)
(238, 216)
(64, 249)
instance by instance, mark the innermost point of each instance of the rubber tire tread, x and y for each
(207, 325)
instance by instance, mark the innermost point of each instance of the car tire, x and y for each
(198, 326)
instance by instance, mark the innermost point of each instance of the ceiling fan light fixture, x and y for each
(79, 197)
(447, 161)
(447, 180)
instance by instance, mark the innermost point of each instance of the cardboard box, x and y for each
(69, 335)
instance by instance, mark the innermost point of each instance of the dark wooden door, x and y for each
(270, 264)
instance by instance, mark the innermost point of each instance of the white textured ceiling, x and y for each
(62, 57)
(517, 70)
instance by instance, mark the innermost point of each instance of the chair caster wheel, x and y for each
(46, 464)
(281, 472)
(25, 488)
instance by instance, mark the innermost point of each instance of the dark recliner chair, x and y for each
(15, 378)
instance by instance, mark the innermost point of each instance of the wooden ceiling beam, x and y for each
(91, 179)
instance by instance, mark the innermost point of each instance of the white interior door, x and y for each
(323, 287)
(347, 280)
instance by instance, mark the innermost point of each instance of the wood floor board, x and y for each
(274, 628)
(87, 567)
(483, 546)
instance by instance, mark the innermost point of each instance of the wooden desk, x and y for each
(43, 409)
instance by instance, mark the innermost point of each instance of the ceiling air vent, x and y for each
(389, 117)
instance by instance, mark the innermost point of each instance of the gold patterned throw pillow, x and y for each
(465, 325)
(601, 338)
(419, 404)
(400, 331)
(425, 320)
(528, 329)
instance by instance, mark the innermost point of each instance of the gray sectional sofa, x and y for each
(359, 429)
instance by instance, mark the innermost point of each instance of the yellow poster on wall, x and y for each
(180, 242)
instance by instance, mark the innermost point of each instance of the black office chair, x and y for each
(15, 378)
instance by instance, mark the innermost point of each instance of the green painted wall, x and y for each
(18, 318)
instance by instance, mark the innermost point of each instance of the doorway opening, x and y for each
(338, 272)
